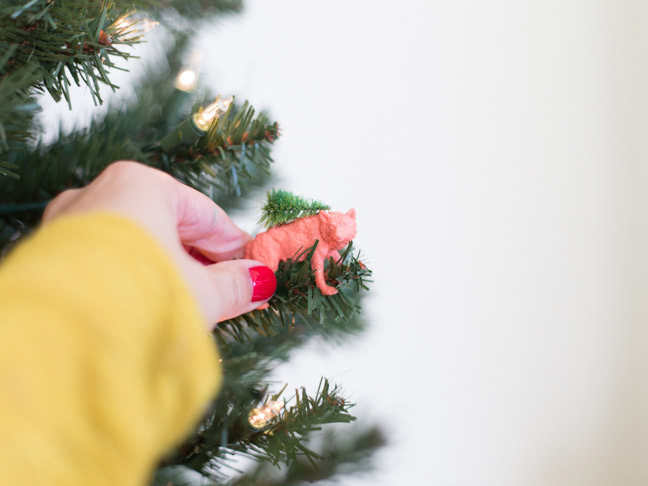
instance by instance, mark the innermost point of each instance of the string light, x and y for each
(186, 80)
(260, 417)
(205, 118)
(122, 23)
(197, 125)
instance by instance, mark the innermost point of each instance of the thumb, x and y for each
(237, 287)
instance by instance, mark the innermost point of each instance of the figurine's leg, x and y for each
(318, 267)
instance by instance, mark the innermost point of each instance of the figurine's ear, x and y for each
(351, 213)
(325, 216)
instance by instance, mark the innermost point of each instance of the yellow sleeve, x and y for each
(104, 358)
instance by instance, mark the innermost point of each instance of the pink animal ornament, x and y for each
(332, 230)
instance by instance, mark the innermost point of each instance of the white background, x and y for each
(496, 155)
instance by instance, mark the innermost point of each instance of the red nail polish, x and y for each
(264, 282)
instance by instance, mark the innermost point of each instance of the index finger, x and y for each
(204, 226)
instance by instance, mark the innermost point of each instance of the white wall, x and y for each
(495, 153)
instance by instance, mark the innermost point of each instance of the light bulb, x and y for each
(260, 417)
(186, 80)
(123, 22)
(205, 118)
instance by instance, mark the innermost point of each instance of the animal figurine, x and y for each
(332, 230)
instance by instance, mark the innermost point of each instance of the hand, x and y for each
(188, 225)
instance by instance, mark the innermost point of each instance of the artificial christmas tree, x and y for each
(221, 148)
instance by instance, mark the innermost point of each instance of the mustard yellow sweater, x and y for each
(104, 358)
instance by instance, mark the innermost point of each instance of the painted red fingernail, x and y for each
(264, 282)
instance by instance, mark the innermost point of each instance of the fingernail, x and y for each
(264, 282)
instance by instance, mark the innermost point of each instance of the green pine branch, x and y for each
(297, 297)
(251, 346)
(336, 456)
(283, 207)
(17, 111)
(64, 42)
(131, 131)
(282, 442)
(234, 152)
(48, 45)
(220, 164)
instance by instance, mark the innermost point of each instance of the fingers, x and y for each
(145, 194)
(236, 287)
(205, 227)
(179, 216)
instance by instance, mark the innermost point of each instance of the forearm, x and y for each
(104, 361)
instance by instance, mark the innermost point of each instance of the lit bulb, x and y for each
(260, 417)
(186, 80)
(122, 23)
(205, 118)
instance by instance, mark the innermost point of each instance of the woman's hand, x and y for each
(198, 235)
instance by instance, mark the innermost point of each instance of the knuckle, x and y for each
(55, 205)
(127, 170)
(122, 167)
